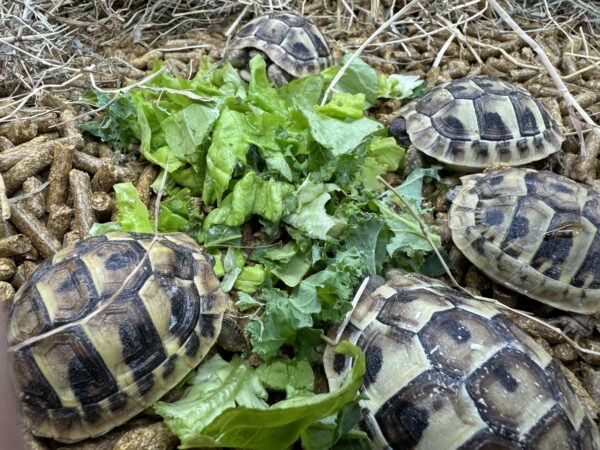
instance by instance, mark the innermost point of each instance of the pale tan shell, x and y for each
(475, 122)
(446, 371)
(535, 232)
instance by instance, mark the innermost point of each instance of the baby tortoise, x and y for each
(291, 44)
(534, 232)
(91, 347)
(445, 371)
(476, 122)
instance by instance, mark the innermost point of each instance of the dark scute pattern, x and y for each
(492, 218)
(36, 390)
(92, 413)
(399, 417)
(560, 187)
(30, 302)
(339, 362)
(553, 247)
(142, 346)
(183, 266)
(169, 366)
(300, 51)
(457, 150)
(89, 378)
(374, 361)
(458, 332)
(519, 228)
(460, 91)
(246, 30)
(86, 244)
(117, 401)
(192, 345)
(185, 308)
(291, 19)
(403, 296)
(492, 127)
(527, 123)
(117, 261)
(478, 244)
(64, 418)
(509, 382)
(555, 419)
(207, 322)
(145, 384)
(495, 180)
(319, 44)
(273, 34)
(452, 127)
(498, 368)
(589, 268)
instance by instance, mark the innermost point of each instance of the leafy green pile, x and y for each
(295, 217)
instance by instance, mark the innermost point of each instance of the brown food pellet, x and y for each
(34, 203)
(5, 144)
(71, 238)
(144, 183)
(103, 205)
(91, 164)
(23, 272)
(7, 292)
(59, 220)
(12, 156)
(7, 269)
(31, 165)
(565, 352)
(62, 162)
(31, 227)
(19, 131)
(68, 127)
(14, 245)
(81, 191)
(105, 178)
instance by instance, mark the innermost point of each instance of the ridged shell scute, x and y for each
(106, 327)
(444, 370)
(474, 122)
(535, 232)
(290, 40)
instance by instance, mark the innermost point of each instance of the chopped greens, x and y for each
(225, 407)
(283, 192)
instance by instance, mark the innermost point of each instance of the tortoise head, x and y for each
(398, 130)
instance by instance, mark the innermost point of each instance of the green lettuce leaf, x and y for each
(383, 155)
(344, 106)
(133, 214)
(310, 215)
(340, 136)
(206, 416)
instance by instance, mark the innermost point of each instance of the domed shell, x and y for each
(475, 122)
(100, 332)
(290, 40)
(445, 371)
(534, 232)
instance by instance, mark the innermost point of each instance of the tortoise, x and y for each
(475, 122)
(91, 345)
(292, 45)
(445, 371)
(534, 232)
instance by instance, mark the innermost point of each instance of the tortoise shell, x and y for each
(445, 371)
(474, 122)
(534, 232)
(291, 41)
(92, 346)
